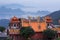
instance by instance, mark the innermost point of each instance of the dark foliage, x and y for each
(26, 32)
(2, 28)
(49, 34)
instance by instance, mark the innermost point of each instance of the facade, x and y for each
(14, 29)
(36, 24)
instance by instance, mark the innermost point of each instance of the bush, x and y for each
(2, 28)
(58, 39)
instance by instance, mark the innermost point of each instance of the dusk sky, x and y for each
(31, 6)
(50, 5)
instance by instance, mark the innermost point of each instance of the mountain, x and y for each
(55, 16)
(4, 9)
(42, 13)
(38, 13)
(9, 12)
(14, 6)
(4, 22)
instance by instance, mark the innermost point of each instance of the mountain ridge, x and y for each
(55, 17)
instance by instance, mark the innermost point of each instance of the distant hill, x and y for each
(14, 6)
(55, 16)
(38, 13)
(42, 13)
(9, 12)
(4, 22)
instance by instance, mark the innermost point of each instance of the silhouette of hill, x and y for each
(4, 22)
(9, 12)
(55, 16)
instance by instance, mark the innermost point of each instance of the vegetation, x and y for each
(50, 34)
(2, 28)
(26, 32)
(58, 39)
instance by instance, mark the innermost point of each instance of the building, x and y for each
(14, 28)
(3, 36)
(34, 22)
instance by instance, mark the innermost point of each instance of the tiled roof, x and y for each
(14, 19)
(35, 26)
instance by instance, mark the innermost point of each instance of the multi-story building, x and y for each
(37, 24)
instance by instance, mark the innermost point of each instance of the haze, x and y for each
(34, 5)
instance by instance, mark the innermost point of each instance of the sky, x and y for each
(33, 5)
(50, 5)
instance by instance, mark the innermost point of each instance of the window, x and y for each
(14, 25)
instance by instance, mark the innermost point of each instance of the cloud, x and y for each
(50, 5)
(34, 5)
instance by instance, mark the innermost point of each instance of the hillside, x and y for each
(4, 22)
(55, 16)
(9, 12)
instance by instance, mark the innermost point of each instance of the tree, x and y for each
(50, 34)
(58, 39)
(2, 28)
(26, 32)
